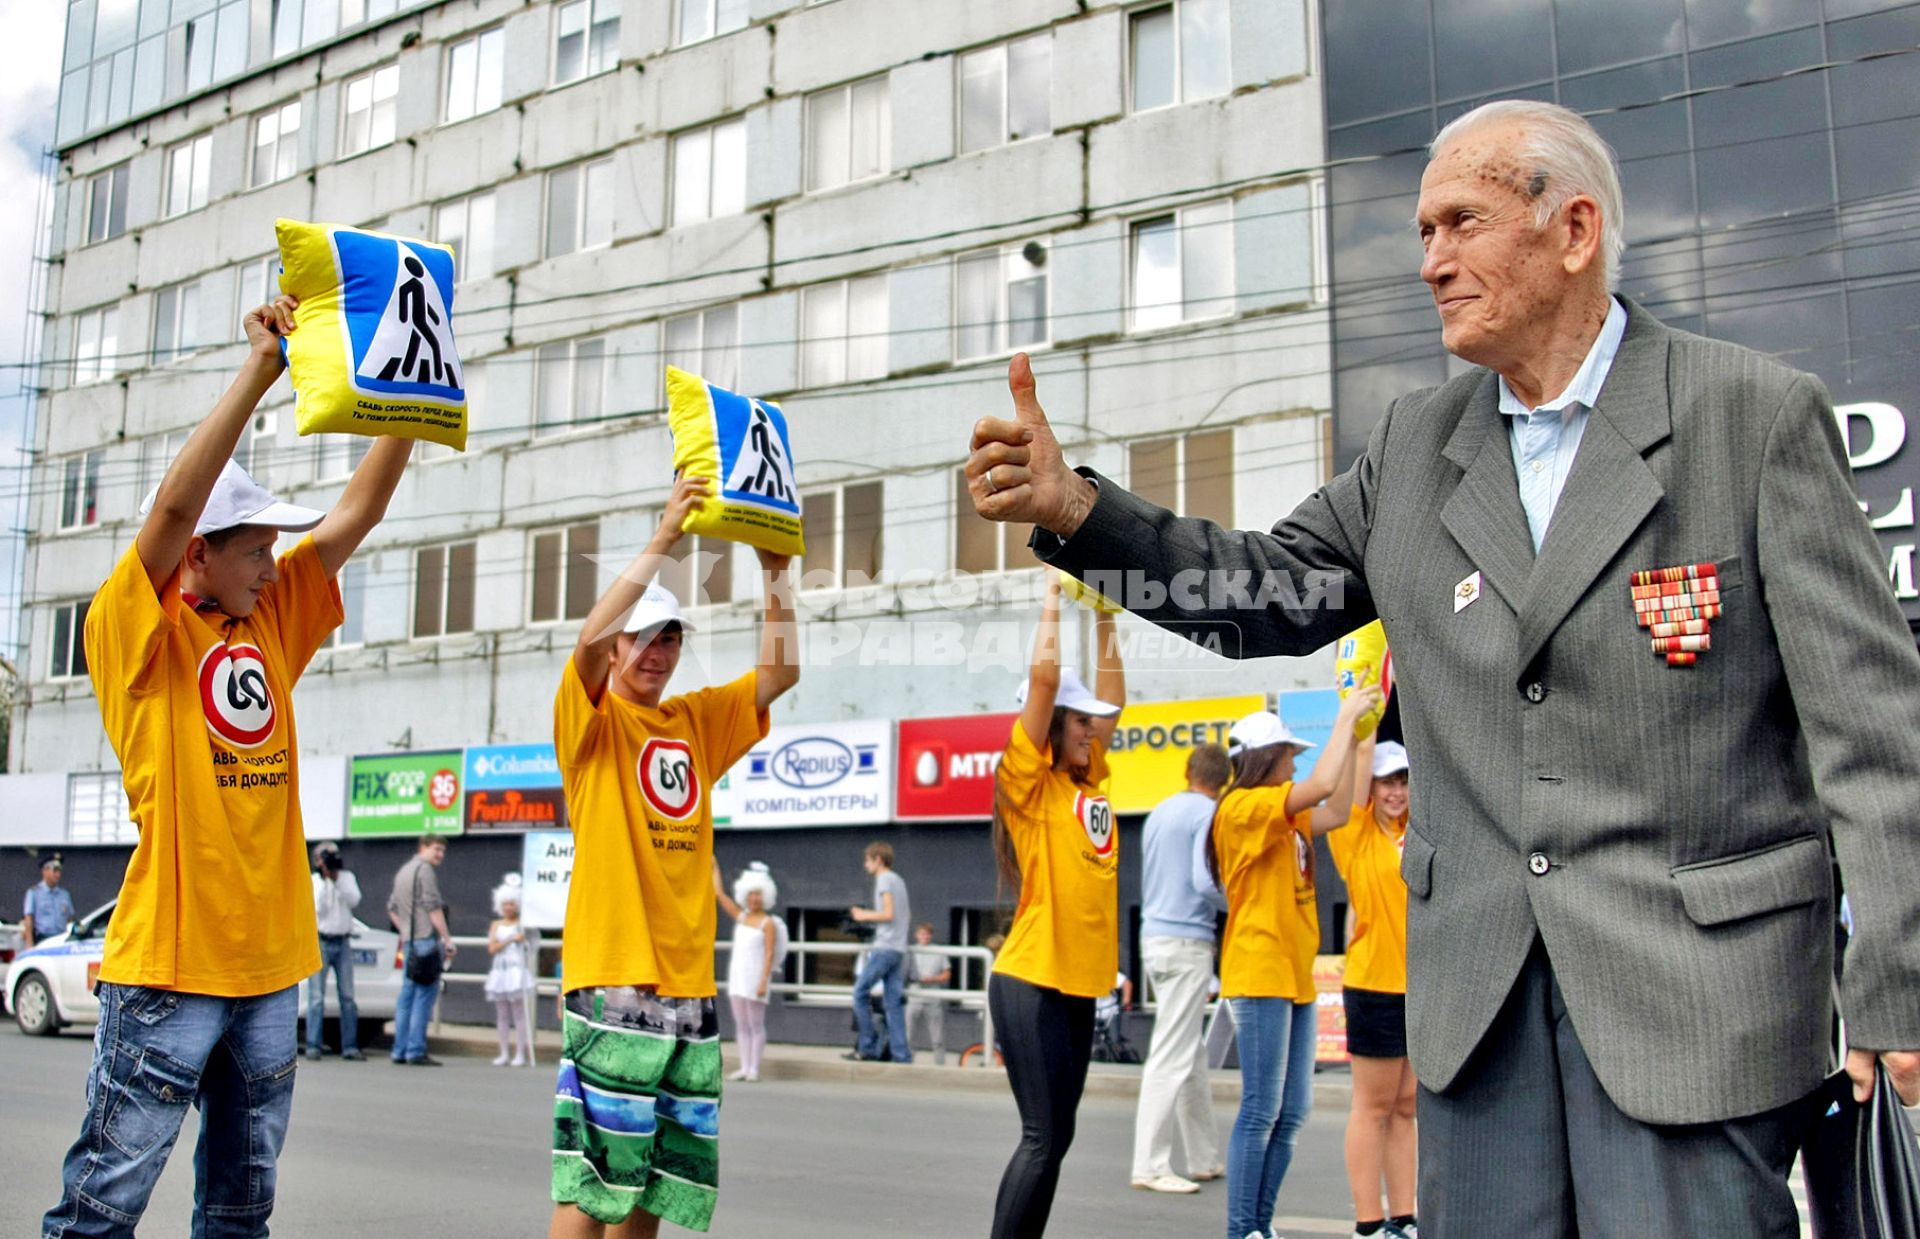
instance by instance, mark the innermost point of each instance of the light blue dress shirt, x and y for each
(1170, 906)
(1545, 440)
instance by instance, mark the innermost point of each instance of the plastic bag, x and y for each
(742, 444)
(373, 350)
(1364, 659)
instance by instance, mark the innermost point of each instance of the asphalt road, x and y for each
(379, 1151)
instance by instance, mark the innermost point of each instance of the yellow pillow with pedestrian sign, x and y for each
(741, 443)
(1363, 658)
(372, 351)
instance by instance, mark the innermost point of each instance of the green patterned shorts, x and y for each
(636, 1111)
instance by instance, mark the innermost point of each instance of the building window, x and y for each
(710, 172)
(565, 575)
(68, 658)
(443, 589)
(370, 114)
(107, 204)
(156, 457)
(189, 172)
(849, 133)
(707, 344)
(476, 74)
(96, 344)
(254, 452)
(843, 537)
(1191, 475)
(255, 284)
(1182, 266)
(981, 545)
(177, 324)
(699, 571)
(999, 300)
(80, 490)
(586, 39)
(276, 144)
(1180, 53)
(572, 385)
(1005, 93)
(353, 605)
(579, 207)
(467, 225)
(97, 810)
(703, 19)
(335, 457)
(844, 332)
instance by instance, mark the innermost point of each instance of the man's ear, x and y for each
(1584, 234)
(197, 551)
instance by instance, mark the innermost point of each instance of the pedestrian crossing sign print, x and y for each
(373, 348)
(742, 445)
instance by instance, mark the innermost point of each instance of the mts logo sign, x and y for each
(946, 766)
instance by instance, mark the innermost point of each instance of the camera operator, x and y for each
(336, 893)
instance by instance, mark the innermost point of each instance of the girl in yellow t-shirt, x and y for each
(1380, 1132)
(1055, 837)
(1261, 854)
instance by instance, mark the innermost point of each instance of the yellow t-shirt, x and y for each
(1266, 870)
(639, 785)
(1369, 859)
(199, 709)
(1066, 931)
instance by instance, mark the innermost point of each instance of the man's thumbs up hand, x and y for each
(1015, 471)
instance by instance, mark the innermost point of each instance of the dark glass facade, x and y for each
(1770, 151)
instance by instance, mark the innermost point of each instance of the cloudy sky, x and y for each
(29, 69)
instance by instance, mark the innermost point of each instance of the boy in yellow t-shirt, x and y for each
(637, 1105)
(193, 645)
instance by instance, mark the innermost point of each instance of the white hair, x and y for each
(507, 892)
(1564, 156)
(756, 877)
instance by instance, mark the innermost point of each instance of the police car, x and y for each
(50, 985)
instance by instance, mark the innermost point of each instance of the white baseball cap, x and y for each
(1389, 758)
(656, 609)
(1073, 695)
(1259, 730)
(239, 500)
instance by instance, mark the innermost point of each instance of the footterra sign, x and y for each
(514, 787)
(405, 794)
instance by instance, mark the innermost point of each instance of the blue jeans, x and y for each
(414, 1010)
(337, 954)
(1276, 1039)
(154, 1053)
(889, 968)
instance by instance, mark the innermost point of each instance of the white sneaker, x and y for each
(519, 1060)
(753, 1077)
(1401, 1232)
(738, 1075)
(1170, 1183)
(502, 1060)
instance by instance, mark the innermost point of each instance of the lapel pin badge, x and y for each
(1466, 593)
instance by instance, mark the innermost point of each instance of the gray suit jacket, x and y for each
(1686, 812)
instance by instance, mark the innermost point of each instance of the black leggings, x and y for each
(1047, 1039)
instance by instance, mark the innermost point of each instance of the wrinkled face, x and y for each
(1494, 275)
(1390, 795)
(1076, 741)
(233, 572)
(643, 670)
(756, 900)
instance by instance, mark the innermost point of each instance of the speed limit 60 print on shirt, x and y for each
(199, 709)
(639, 785)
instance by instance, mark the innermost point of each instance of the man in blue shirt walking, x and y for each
(48, 909)
(1176, 942)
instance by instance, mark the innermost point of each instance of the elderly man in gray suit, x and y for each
(1650, 669)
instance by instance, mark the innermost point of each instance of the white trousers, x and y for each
(1174, 1087)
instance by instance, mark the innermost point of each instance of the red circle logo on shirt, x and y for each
(234, 695)
(1096, 818)
(668, 779)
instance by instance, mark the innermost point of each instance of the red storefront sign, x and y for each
(946, 765)
(516, 809)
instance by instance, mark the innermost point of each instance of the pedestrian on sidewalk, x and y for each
(1380, 1125)
(1176, 943)
(426, 947)
(194, 645)
(49, 906)
(1055, 842)
(1262, 848)
(636, 1112)
(759, 947)
(929, 973)
(336, 893)
(509, 984)
(886, 961)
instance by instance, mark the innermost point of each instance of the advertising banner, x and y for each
(1330, 1042)
(514, 787)
(405, 794)
(1150, 746)
(546, 872)
(946, 766)
(819, 774)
